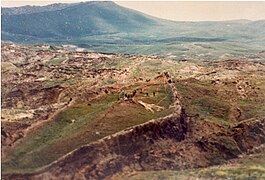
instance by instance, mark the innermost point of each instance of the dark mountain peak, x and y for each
(64, 21)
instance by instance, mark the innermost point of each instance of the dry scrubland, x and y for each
(94, 115)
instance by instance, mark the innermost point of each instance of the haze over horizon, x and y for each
(179, 11)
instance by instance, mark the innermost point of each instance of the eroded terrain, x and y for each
(91, 115)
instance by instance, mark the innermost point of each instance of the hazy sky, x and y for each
(181, 11)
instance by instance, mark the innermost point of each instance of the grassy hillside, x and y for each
(83, 123)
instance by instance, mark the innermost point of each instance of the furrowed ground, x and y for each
(56, 101)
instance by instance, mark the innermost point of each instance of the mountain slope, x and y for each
(78, 20)
(110, 28)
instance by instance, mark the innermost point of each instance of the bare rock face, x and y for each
(32, 97)
(228, 144)
(249, 133)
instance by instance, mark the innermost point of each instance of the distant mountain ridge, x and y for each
(76, 20)
(107, 27)
(34, 9)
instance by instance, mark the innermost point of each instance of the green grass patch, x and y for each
(201, 98)
(93, 121)
(55, 61)
(238, 172)
(37, 150)
(235, 173)
(252, 108)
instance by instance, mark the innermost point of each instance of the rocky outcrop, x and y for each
(29, 97)
(249, 133)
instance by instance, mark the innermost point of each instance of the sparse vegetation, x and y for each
(93, 95)
(81, 124)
